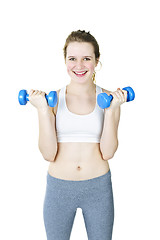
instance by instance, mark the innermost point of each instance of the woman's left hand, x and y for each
(119, 97)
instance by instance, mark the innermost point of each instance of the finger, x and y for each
(43, 94)
(31, 92)
(114, 95)
(35, 92)
(125, 95)
(121, 95)
(118, 96)
(39, 93)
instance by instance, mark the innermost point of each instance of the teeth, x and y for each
(80, 73)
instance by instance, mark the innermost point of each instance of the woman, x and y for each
(78, 138)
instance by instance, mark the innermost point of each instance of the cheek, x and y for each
(69, 67)
(90, 66)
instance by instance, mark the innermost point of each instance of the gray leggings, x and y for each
(95, 198)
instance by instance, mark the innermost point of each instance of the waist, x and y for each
(78, 150)
(80, 138)
(78, 161)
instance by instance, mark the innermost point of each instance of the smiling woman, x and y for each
(78, 138)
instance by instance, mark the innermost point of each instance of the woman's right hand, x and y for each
(38, 99)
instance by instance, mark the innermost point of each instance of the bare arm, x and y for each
(47, 132)
(109, 138)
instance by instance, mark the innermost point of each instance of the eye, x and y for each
(87, 59)
(72, 59)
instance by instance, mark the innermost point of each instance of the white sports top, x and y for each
(71, 127)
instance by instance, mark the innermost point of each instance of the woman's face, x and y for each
(80, 61)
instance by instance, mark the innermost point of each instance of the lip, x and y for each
(80, 73)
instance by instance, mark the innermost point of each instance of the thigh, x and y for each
(59, 214)
(98, 213)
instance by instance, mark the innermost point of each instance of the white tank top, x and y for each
(71, 127)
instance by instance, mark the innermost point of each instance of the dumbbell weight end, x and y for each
(130, 93)
(52, 98)
(23, 97)
(104, 100)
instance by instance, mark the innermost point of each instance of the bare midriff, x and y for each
(78, 161)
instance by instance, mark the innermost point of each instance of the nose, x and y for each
(79, 65)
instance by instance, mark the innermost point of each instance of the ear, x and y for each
(97, 61)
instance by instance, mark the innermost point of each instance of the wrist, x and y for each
(109, 111)
(112, 111)
(43, 111)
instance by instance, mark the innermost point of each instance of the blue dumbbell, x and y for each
(51, 98)
(104, 100)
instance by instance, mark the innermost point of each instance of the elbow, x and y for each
(49, 155)
(109, 154)
(49, 159)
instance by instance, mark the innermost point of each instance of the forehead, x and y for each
(80, 49)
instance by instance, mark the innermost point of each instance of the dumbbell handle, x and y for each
(110, 97)
(128, 100)
(27, 97)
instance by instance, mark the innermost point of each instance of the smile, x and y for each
(80, 73)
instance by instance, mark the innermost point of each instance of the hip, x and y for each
(95, 193)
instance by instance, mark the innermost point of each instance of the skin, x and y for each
(92, 158)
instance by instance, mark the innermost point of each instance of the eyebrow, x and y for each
(83, 56)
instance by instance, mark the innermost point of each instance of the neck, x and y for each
(81, 89)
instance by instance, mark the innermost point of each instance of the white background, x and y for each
(33, 34)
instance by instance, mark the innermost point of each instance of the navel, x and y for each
(79, 168)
